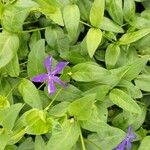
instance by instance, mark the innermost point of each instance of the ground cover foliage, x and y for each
(107, 46)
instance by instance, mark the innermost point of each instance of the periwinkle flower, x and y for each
(51, 76)
(126, 143)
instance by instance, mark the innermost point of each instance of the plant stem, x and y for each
(53, 100)
(85, 24)
(82, 141)
(33, 30)
(41, 85)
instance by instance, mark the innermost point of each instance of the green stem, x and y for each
(23, 63)
(12, 89)
(82, 141)
(86, 24)
(41, 85)
(47, 108)
(33, 30)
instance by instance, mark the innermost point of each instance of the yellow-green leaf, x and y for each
(97, 12)
(93, 40)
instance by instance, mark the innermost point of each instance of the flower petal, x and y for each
(128, 145)
(57, 80)
(121, 146)
(51, 87)
(48, 64)
(60, 66)
(40, 78)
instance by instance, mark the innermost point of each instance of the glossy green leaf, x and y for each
(13, 68)
(37, 123)
(142, 81)
(36, 59)
(93, 40)
(88, 71)
(9, 115)
(97, 12)
(145, 144)
(131, 89)
(4, 103)
(114, 8)
(133, 36)
(129, 10)
(71, 15)
(79, 107)
(69, 94)
(112, 55)
(57, 17)
(9, 44)
(13, 22)
(30, 94)
(27, 144)
(124, 101)
(61, 139)
(39, 143)
(108, 25)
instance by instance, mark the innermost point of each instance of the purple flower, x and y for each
(126, 143)
(51, 76)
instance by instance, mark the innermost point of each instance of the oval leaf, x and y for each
(30, 94)
(133, 36)
(66, 138)
(36, 58)
(112, 55)
(79, 107)
(71, 15)
(124, 101)
(97, 12)
(93, 40)
(87, 72)
(9, 44)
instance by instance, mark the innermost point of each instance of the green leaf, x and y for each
(93, 40)
(133, 36)
(68, 94)
(86, 72)
(145, 144)
(39, 143)
(114, 8)
(57, 17)
(37, 123)
(30, 94)
(9, 115)
(131, 89)
(71, 15)
(122, 120)
(124, 101)
(3, 140)
(142, 81)
(14, 15)
(111, 56)
(4, 103)
(100, 91)
(35, 37)
(97, 12)
(36, 59)
(27, 144)
(79, 107)
(9, 44)
(107, 137)
(129, 10)
(109, 25)
(131, 71)
(59, 110)
(65, 138)
(13, 68)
